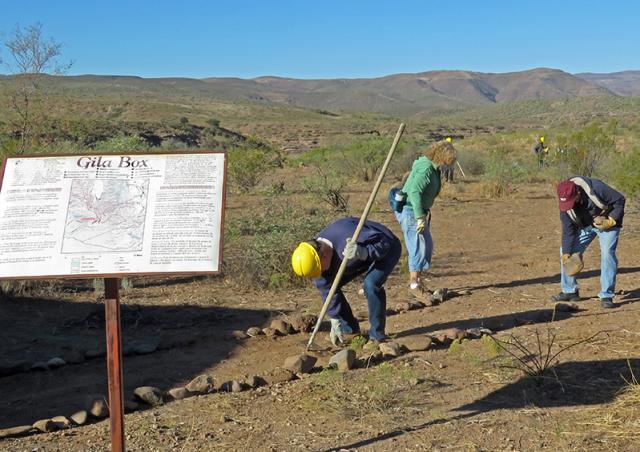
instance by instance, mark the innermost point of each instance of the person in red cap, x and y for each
(589, 208)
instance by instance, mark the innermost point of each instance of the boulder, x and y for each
(403, 306)
(271, 332)
(281, 327)
(39, 366)
(55, 362)
(97, 407)
(130, 406)
(390, 349)
(15, 431)
(279, 375)
(45, 425)
(255, 381)
(416, 343)
(303, 323)
(179, 393)
(254, 331)
(79, 417)
(343, 360)
(202, 384)
(149, 394)
(239, 335)
(61, 422)
(300, 364)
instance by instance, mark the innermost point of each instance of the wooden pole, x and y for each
(114, 362)
(363, 217)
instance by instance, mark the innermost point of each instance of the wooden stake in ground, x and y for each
(463, 175)
(363, 217)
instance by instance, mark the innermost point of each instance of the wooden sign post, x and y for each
(114, 362)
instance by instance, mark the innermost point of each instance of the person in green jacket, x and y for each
(420, 191)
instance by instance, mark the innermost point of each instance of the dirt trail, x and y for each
(505, 252)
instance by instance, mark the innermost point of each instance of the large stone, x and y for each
(254, 331)
(79, 417)
(61, 422)
(15, 431)
(566, 307)
(255, 381)
(343, 360)
(303, 323)
(281, 327)
(239, 335)
(98, 407)
(271, 332)
(439, 295)
(55, 362)
(416, 343)
(149, 394)
(202, 384)
(179, 393)
(390, 349)
(45, 425)
(445, 337)
(279, 375)
(300, 364)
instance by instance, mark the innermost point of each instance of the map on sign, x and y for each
(105, 215)
(82, 216)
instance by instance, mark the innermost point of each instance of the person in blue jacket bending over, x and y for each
(375, 253)
(589, 208)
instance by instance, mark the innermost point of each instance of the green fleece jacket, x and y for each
(422, 186)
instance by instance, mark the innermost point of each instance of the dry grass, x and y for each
(621, 418)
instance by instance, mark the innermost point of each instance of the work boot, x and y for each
(574, 296)
(421, 294)
(607, 303)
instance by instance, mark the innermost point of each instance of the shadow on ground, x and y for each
(164, 346)
(564, 385)
(494, 323)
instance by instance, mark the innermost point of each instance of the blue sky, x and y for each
(332, 39)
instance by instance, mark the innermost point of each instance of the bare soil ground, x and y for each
(466, 397)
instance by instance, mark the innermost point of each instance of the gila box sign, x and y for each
(111, 214)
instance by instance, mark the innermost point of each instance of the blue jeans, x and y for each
(419, 246)
(608, 260)
(374, 279)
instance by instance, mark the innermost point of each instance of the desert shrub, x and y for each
(625, 174)
(258, 247)
(246, 166)
(122, 143)
(471, 162)
(584, 150)
(501, 175)
(327, 187)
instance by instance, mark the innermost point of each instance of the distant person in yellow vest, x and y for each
(541, 151)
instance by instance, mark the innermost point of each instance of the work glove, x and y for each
(421, 224)
(338, 329)
(572, 263)
(604, 223)
(354, 251)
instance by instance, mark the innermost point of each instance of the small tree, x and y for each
(32, 58)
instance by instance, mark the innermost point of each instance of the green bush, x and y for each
(327, 187)
(501, 175)
(258, 247)
(582, 152)
(123, 143)
(246, 167)
(625, 175)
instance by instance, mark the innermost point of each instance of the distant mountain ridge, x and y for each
(392, 94)
(625, 83)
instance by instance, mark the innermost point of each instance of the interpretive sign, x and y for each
(111, 214)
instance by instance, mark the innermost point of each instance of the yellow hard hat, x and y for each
(448, 139)
(305, 261)
(541, 139)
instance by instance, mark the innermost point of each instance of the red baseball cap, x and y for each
(567, 194)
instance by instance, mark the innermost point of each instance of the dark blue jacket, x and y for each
(375, 237)
(596, 198)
